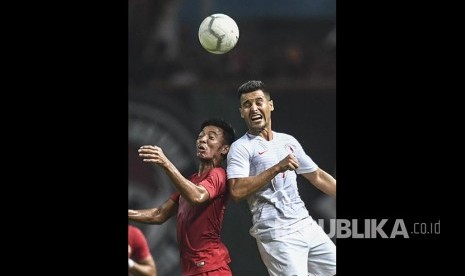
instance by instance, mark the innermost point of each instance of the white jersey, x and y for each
(277, 208)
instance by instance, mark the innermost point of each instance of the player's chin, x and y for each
(257, 126)
(204, 155)
(201, 155)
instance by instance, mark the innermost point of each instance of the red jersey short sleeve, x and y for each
(175, 197)
(215, 182)
(139, 248)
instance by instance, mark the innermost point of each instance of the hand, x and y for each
(129, 251)
(153, 154)
(288, 163)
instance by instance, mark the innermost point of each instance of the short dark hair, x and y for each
(251, 86)
(228, 131)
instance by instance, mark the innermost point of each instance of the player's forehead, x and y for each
(253, 96)
(212, 130)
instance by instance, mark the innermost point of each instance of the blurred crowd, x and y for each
(164, 51)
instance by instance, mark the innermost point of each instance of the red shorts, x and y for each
(222, 271)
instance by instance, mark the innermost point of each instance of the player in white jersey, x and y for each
(262, 167)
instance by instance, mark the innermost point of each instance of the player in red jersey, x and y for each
(200, 202)
(140, 261)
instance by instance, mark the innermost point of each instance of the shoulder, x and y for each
(135, 235)
(284, 136)
(220, 171)
(134, 230)
(244, 139)
(246, 142)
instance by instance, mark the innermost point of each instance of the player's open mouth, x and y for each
(255, 118)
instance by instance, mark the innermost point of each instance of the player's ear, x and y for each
(225, 149)
(271, 105)
(240, 111)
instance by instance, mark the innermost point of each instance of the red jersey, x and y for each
(199, 227)
(138, 243)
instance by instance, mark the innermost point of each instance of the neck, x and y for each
(206, 165)
(265, 133)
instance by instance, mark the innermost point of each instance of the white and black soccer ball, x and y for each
(218, 33)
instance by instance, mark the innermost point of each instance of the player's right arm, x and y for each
(241, 188)
(155, 215)
(194, 194)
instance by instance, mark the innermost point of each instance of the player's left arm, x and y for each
(322, 180)
(154, 215)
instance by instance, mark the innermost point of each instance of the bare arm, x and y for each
(241, 188)
(194, 194)
(155, 215)
(144, 267)
(323, 181)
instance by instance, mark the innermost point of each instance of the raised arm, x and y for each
(323, 181)
(155, 215)
(241, 188)
(194, 194)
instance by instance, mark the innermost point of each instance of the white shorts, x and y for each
(308, 251)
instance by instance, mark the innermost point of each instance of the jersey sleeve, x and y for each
(215, 182)
(306, 164)
(140, 248)
(238, 161)
(175, 197)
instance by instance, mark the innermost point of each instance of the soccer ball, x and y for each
(218, 33)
